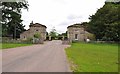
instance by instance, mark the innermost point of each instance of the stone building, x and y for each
(34, 29)
(76, 32)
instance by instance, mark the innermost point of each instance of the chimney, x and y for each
(31, 24)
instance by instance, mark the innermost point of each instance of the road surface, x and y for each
(48, 57)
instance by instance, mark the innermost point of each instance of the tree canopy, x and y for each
(11, 18)
(53, 33)
(105, 24)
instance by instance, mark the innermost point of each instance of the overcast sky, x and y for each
(60, 13)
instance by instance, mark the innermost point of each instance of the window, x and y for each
(76, 36)
(24, 37)
(36, 30)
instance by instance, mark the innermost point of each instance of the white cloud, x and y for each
(60, 13)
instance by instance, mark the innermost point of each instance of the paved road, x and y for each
(49, 57)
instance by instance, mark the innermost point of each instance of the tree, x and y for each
(64, 34)
(85, 26)
(53, 33)
(47, 34)
(11, 18)
(105, 24)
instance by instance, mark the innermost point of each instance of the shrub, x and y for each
(90, 36)
(37, 35)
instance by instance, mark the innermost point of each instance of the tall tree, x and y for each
(11, 18)
(105, 24)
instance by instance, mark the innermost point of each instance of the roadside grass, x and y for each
(12, 45)
(93, 57)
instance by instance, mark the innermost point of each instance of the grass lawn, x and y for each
(12, 45)
(91, 57)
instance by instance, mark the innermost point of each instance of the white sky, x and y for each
(60, 13)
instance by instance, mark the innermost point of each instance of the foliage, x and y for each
(90, 36)
(85, 25)
(47, 34)
(93, 57)
(64, 34)
(53, 33)
(11, 18)
(60, 36)
(37, 35)
(105, 24)
(29, 39)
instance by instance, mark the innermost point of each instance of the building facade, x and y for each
(76, 32)
(34, 29)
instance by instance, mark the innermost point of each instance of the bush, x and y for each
(91, 36)
(37, 35)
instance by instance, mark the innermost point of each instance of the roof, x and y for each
(37, 25)
(75, 25)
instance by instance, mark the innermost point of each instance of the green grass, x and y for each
(91, 57)
(12, 45)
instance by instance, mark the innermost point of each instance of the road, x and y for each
(47, 57)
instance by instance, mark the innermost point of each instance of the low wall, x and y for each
(66, 42)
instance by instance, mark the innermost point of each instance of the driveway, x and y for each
(47, 57)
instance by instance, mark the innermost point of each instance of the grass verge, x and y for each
(12, 45)
(93, 57)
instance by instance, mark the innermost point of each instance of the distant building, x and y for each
(34, 29)
(77, 33)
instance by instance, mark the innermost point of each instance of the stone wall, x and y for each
(40, 30)
(77, 34)
(34, 30)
